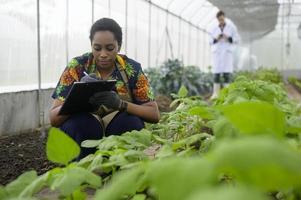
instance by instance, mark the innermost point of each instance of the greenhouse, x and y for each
(150, 99)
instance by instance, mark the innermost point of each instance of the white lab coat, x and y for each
(222, 51)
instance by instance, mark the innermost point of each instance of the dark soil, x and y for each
(20, 153)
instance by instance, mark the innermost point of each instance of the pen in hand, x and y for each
(89, 77)
(86, 74)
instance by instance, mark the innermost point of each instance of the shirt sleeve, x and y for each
(142, 91)
(68, 77)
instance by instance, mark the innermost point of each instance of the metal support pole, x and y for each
(204, 51)
(126, 27)
(179, 38)
(136, 33)
(92, 11)
(109, 7)
(197, 58)
(67, 32)
(282, 37)
(149, 33)
(189, 44)
(39, 97)
(157, 40)
(166, 27)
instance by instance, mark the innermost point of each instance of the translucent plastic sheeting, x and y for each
(153, 31)
(18, 49)
(53, 40)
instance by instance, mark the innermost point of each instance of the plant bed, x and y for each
(20, 153)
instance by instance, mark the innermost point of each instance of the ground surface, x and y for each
(24, 152)
(21, 153)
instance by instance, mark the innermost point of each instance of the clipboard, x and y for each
(77, 100)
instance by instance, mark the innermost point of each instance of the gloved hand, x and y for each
(89, 78)
(109, 99)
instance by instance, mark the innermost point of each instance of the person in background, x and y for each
(223, 36)
(124, 109)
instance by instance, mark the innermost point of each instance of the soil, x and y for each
(20, 153)
(293, 93)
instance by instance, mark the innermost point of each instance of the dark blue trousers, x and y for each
(84, 126)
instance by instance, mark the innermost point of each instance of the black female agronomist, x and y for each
(126, 108)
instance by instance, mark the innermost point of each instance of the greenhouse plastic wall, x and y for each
(64, 29)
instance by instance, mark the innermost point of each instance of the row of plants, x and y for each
(265, 74)
(172, 74)
(244, 145)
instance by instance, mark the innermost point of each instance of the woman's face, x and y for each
(104, 48)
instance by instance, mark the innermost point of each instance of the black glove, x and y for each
(109, 99)
(230, 39)
(89, 78)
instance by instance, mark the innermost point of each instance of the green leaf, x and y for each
(183, 92)
(139, 197)
(123, 183)
(96, 163)
(86, 161)
(222, 128)
(261, 161)
(255, 118)
(174, 103)
(35, 186)
(189, 141)
(78, 195)
(90, 143)
(15, 188)
(3, 193)
(202, 112)
(165, 151)
(60, 148)
(228, 193)
(160, 140)
(294, 125)
(177, 178)
(72, 178)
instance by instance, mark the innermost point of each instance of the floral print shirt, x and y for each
(139, 86)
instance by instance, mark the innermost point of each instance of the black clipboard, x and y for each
(77, 100)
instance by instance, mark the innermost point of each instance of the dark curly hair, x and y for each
(220, 13)
(107, 24)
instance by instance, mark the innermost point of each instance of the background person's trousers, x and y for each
(85, 126)
(222, 77)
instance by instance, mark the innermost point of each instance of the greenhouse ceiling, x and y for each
(254, 18)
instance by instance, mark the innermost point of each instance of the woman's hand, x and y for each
(56, 120)
(109, 99)
(148, 111)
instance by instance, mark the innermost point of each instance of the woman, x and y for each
(132, 98)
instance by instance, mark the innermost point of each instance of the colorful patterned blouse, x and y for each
(138, 83)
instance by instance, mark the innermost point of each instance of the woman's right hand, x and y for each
(89, 78)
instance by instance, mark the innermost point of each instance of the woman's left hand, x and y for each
(109, 99)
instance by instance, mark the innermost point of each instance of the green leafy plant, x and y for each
(245, 145)
(265, 74)
(169, 77)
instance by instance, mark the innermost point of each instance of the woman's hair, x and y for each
(107, 24)
(220, 13)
